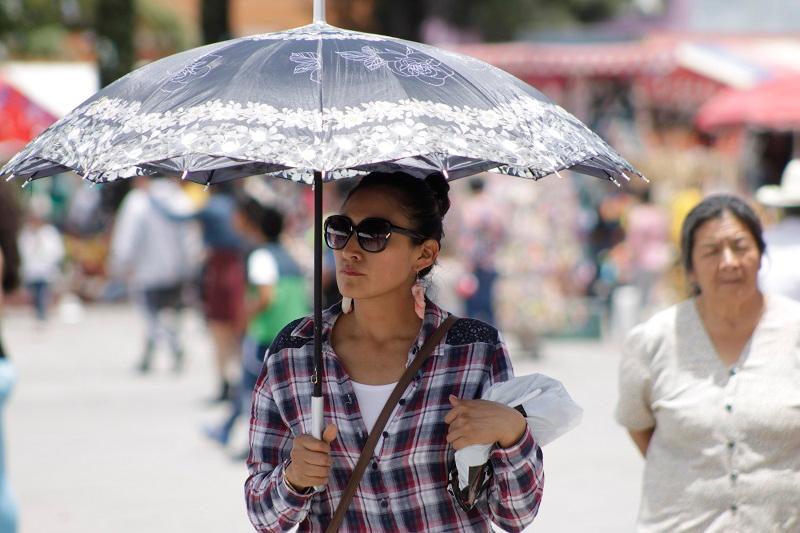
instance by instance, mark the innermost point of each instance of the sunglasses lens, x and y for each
(337, 232)
(373, 234)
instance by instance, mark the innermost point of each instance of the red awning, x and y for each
(539, 60)
(20, 119)
(774, 104)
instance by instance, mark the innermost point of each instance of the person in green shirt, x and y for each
(276, 295)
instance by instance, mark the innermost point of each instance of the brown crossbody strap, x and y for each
(372, 440)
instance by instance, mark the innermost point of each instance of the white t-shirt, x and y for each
(262, 269)
(371, 399)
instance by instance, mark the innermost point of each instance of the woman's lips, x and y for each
(349, 272)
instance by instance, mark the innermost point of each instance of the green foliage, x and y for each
(37, 28)
(114, 32)
(160, 29)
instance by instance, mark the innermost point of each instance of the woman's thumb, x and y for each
(329, 435)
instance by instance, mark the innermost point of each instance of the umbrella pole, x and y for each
(319, 10)
(317, 404)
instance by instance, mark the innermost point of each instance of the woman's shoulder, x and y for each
(780, 302)
(472, 331)
(300, 332)
(662, 326)
(293, 335)
(783, 309)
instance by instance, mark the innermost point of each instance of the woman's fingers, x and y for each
(313, 458)
(482, 422)
(329, 435)
(310, 443)
(310, 459)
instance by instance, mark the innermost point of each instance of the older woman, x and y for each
(709, 388)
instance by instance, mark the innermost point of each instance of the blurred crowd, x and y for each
(567, 258)
(574, 257)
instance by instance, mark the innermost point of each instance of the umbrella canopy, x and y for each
(773, 104)
(312, 104)
(316, 98)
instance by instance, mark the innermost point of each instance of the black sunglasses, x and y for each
(372, 233)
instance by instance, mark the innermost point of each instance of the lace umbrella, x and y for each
(313, 104)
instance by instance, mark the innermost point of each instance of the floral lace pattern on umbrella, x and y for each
(114, 135)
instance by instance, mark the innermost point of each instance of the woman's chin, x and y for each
(735, 291)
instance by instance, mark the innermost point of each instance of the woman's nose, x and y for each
(352, 249)
(729, 258)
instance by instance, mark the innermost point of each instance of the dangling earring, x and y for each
(347, 304)
(418, 291)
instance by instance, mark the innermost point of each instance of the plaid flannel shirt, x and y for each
(405, 486)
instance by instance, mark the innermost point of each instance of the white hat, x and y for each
(787, 194)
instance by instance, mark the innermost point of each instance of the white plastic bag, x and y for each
(549, 410)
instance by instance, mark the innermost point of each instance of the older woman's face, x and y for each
(725, 259)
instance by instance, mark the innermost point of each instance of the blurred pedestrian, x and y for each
(781, 272)
(10, 276)
(42, 249)
(386, 239)
(708, 388)
(157, 257)
(276, 295)
(482, 233)
(647, 241)
(223, 279)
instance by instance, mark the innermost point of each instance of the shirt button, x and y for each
(733, 371)
(374, 465)
(385, 434)
(731, 445)
(414, 350)
(734, 475)
(402, 401)
(385, 503)
(734, 508)
(728, 407)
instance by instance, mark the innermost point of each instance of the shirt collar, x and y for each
(434, 317)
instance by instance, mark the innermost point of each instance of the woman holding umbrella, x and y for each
(386, 240)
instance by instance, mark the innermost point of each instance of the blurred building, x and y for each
(640, 79)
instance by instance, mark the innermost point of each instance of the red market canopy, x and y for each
(20, 119)
(774, 104)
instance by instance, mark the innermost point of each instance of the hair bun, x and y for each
(440, 188)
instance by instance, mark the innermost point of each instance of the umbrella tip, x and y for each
(27, 181)
(11, 177)
(185, 173)
(557, 173)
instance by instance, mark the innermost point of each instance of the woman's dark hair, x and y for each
(714, 207)
(10, 217)
(424, 201)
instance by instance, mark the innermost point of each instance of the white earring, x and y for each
(347, 304)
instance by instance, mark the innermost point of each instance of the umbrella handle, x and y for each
(317, 405)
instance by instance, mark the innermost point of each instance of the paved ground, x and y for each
(93, 447)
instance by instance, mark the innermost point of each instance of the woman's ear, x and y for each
(429, 251)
